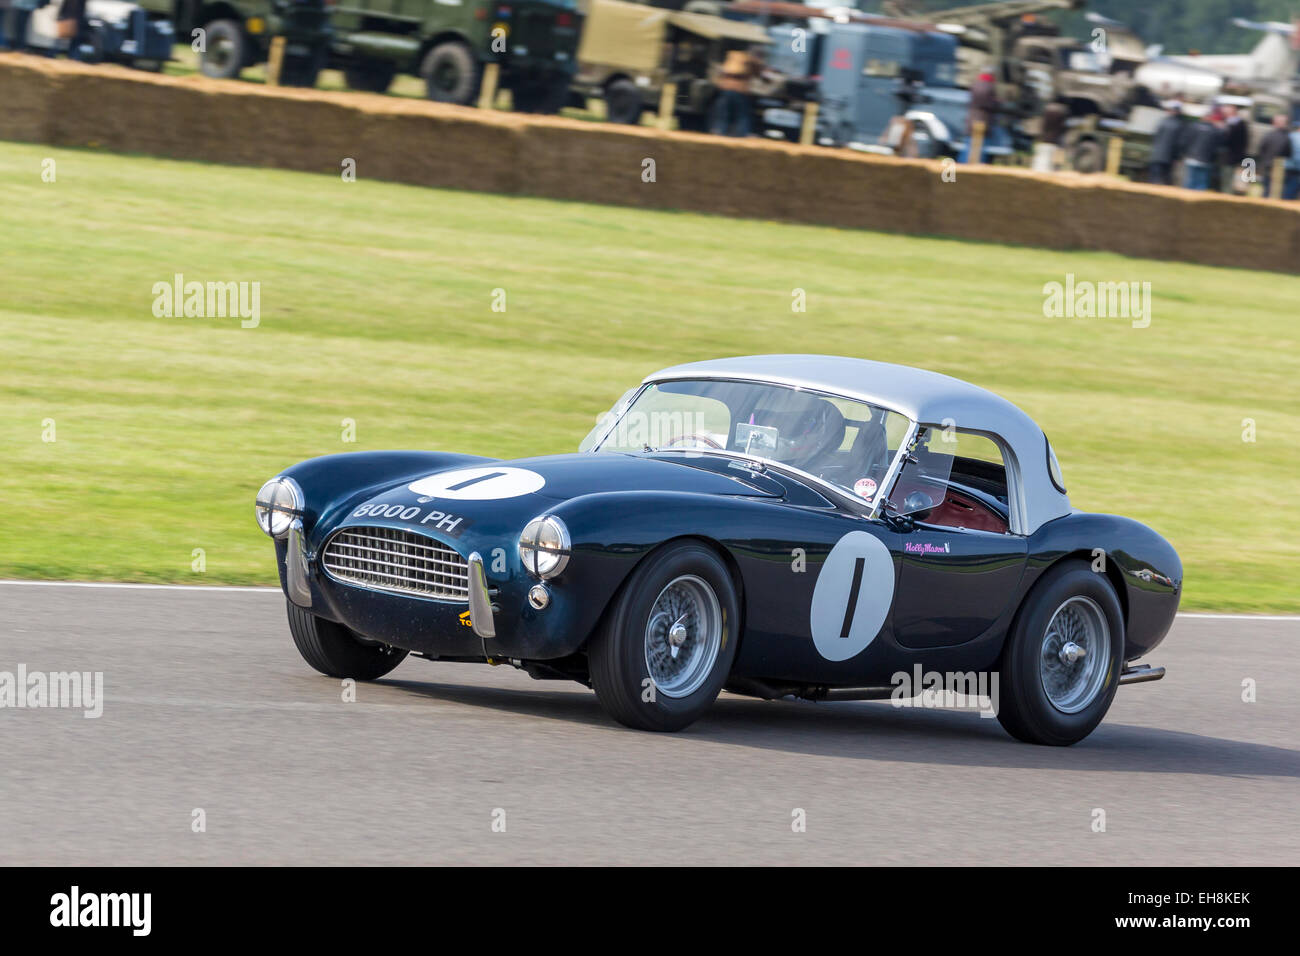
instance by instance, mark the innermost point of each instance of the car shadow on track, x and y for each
(879, 731)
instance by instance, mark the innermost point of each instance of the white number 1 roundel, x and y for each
(479, 484)
(852, 596)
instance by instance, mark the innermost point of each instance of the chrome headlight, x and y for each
(544, 546)
(278, 504)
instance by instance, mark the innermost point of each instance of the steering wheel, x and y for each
(702, 439)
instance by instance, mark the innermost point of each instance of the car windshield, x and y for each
(842, 441)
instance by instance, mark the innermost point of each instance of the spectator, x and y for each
(1291, 186)
(71, 22)
(1235, 136)
(1055, 116)
(1275, 145)
(732, 107)
(1201, 151)
(1165, 145)
(983, 109)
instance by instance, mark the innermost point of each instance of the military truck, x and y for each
(629, 51)
(447, 43)
(1059, 69)
(236, 33)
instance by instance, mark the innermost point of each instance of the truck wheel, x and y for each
(544, 95)
(223, 56)
(370, 77)
(623, 102)
(1088, 157)
(450, 73)
(335, 651)
(1061, 663)
(665, 646)
(302, 70)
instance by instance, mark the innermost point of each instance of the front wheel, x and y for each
(623, 102)
(1061, 664)
(450, 74)
(337, 652)
(666, 644)
(225, 51)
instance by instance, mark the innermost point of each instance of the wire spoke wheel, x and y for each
(683, 635)
(1074, 658)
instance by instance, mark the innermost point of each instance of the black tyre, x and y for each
(335, 651)
(370, 77)
(450, 73)
(623, 102)
(544, 95)
(665, 646)
(302, 70)
(1061, 663)
(225, 50)
(1088, 156)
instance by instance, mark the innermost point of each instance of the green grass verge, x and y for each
(376, 307)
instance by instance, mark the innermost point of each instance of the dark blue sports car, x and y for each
(781, 525)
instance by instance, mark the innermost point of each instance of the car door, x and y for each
(820, 587)
(954, 583)
(960, 563)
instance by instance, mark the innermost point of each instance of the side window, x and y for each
(958, 480)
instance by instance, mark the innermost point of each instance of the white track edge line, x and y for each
(256, 590)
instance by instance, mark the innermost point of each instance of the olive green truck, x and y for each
(447, 43)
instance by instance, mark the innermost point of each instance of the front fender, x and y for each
(612, 532)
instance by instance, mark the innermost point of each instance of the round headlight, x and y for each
(544, 546)
(278, 504)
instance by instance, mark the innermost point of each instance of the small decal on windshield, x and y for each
(865, 487)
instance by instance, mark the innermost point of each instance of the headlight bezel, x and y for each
(278, 505)
(545, 547)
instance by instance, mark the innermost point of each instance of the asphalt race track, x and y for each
(208, 705)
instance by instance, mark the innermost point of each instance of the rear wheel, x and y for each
(302, 70)
(540, 95)
(450, 73)
(1088, 156)
(370, 77)
(666, 644)
(224, 51)
(623, 102)
(1061, 664)
(336, 651)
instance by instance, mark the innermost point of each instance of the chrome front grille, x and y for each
(388, 559)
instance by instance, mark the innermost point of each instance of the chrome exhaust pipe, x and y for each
(1140, 674)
